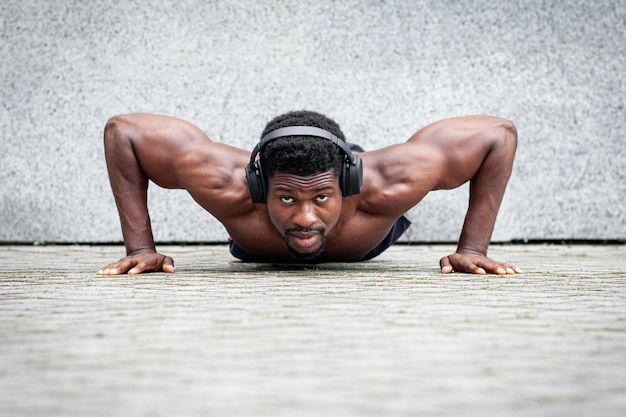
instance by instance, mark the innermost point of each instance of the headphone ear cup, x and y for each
(344, 178)
(256, 182)
(352, 176)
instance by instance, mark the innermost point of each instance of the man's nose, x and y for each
(305, 216)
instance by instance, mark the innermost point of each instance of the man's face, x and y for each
(304, 210)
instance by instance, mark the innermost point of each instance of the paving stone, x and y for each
(391, 336)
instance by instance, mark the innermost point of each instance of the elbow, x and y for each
(113, 123)
(510, 128)
(118, 136)
(111, 126)
(505, 133)
(116, 128)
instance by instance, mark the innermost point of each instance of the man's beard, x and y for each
(306, 257)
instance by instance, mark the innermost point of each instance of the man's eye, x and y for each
(286, 199)
(322, 197)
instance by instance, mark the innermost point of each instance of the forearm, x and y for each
(479, 223)
(129, 185)
(136, 227)
(487, 189)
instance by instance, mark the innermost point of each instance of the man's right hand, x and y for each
(137, 263)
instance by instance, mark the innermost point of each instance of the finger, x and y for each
(496, 267)
(478, 270)
(509, 269)
(111, 269)
(168, 265)
(138, 269)
(153, 265)
(493, 268)
(141, 266)
(467, 265)
(472, 268)
(124, 265)
(445, 265)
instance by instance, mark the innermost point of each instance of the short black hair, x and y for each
(301, 155)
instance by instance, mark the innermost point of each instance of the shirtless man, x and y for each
(302, 195)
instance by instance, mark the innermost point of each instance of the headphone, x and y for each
(350, 178)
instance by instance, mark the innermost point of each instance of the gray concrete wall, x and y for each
(382, 69)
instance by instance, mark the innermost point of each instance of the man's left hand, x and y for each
(475, 263)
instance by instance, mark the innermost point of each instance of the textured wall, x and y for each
(381, 69)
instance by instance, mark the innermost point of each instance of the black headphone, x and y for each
(350, 178)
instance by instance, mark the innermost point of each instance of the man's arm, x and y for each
(171, 153)
(449, 153)
(124, 140)
(487, 146)
(487, 187)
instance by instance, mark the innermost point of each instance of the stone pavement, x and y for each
(389, 337)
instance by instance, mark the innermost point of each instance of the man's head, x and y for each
(302, 150)
(298, 175)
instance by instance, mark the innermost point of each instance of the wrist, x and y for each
(138, 250)
(465, 250)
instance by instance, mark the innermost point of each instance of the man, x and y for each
(308, 198)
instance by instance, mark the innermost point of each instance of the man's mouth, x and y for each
(304, 240)
(305, 245)
(307, 240)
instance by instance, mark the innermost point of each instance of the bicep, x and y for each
(159, 143)
(461, 145)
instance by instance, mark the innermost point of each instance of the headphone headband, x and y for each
(301, 131)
